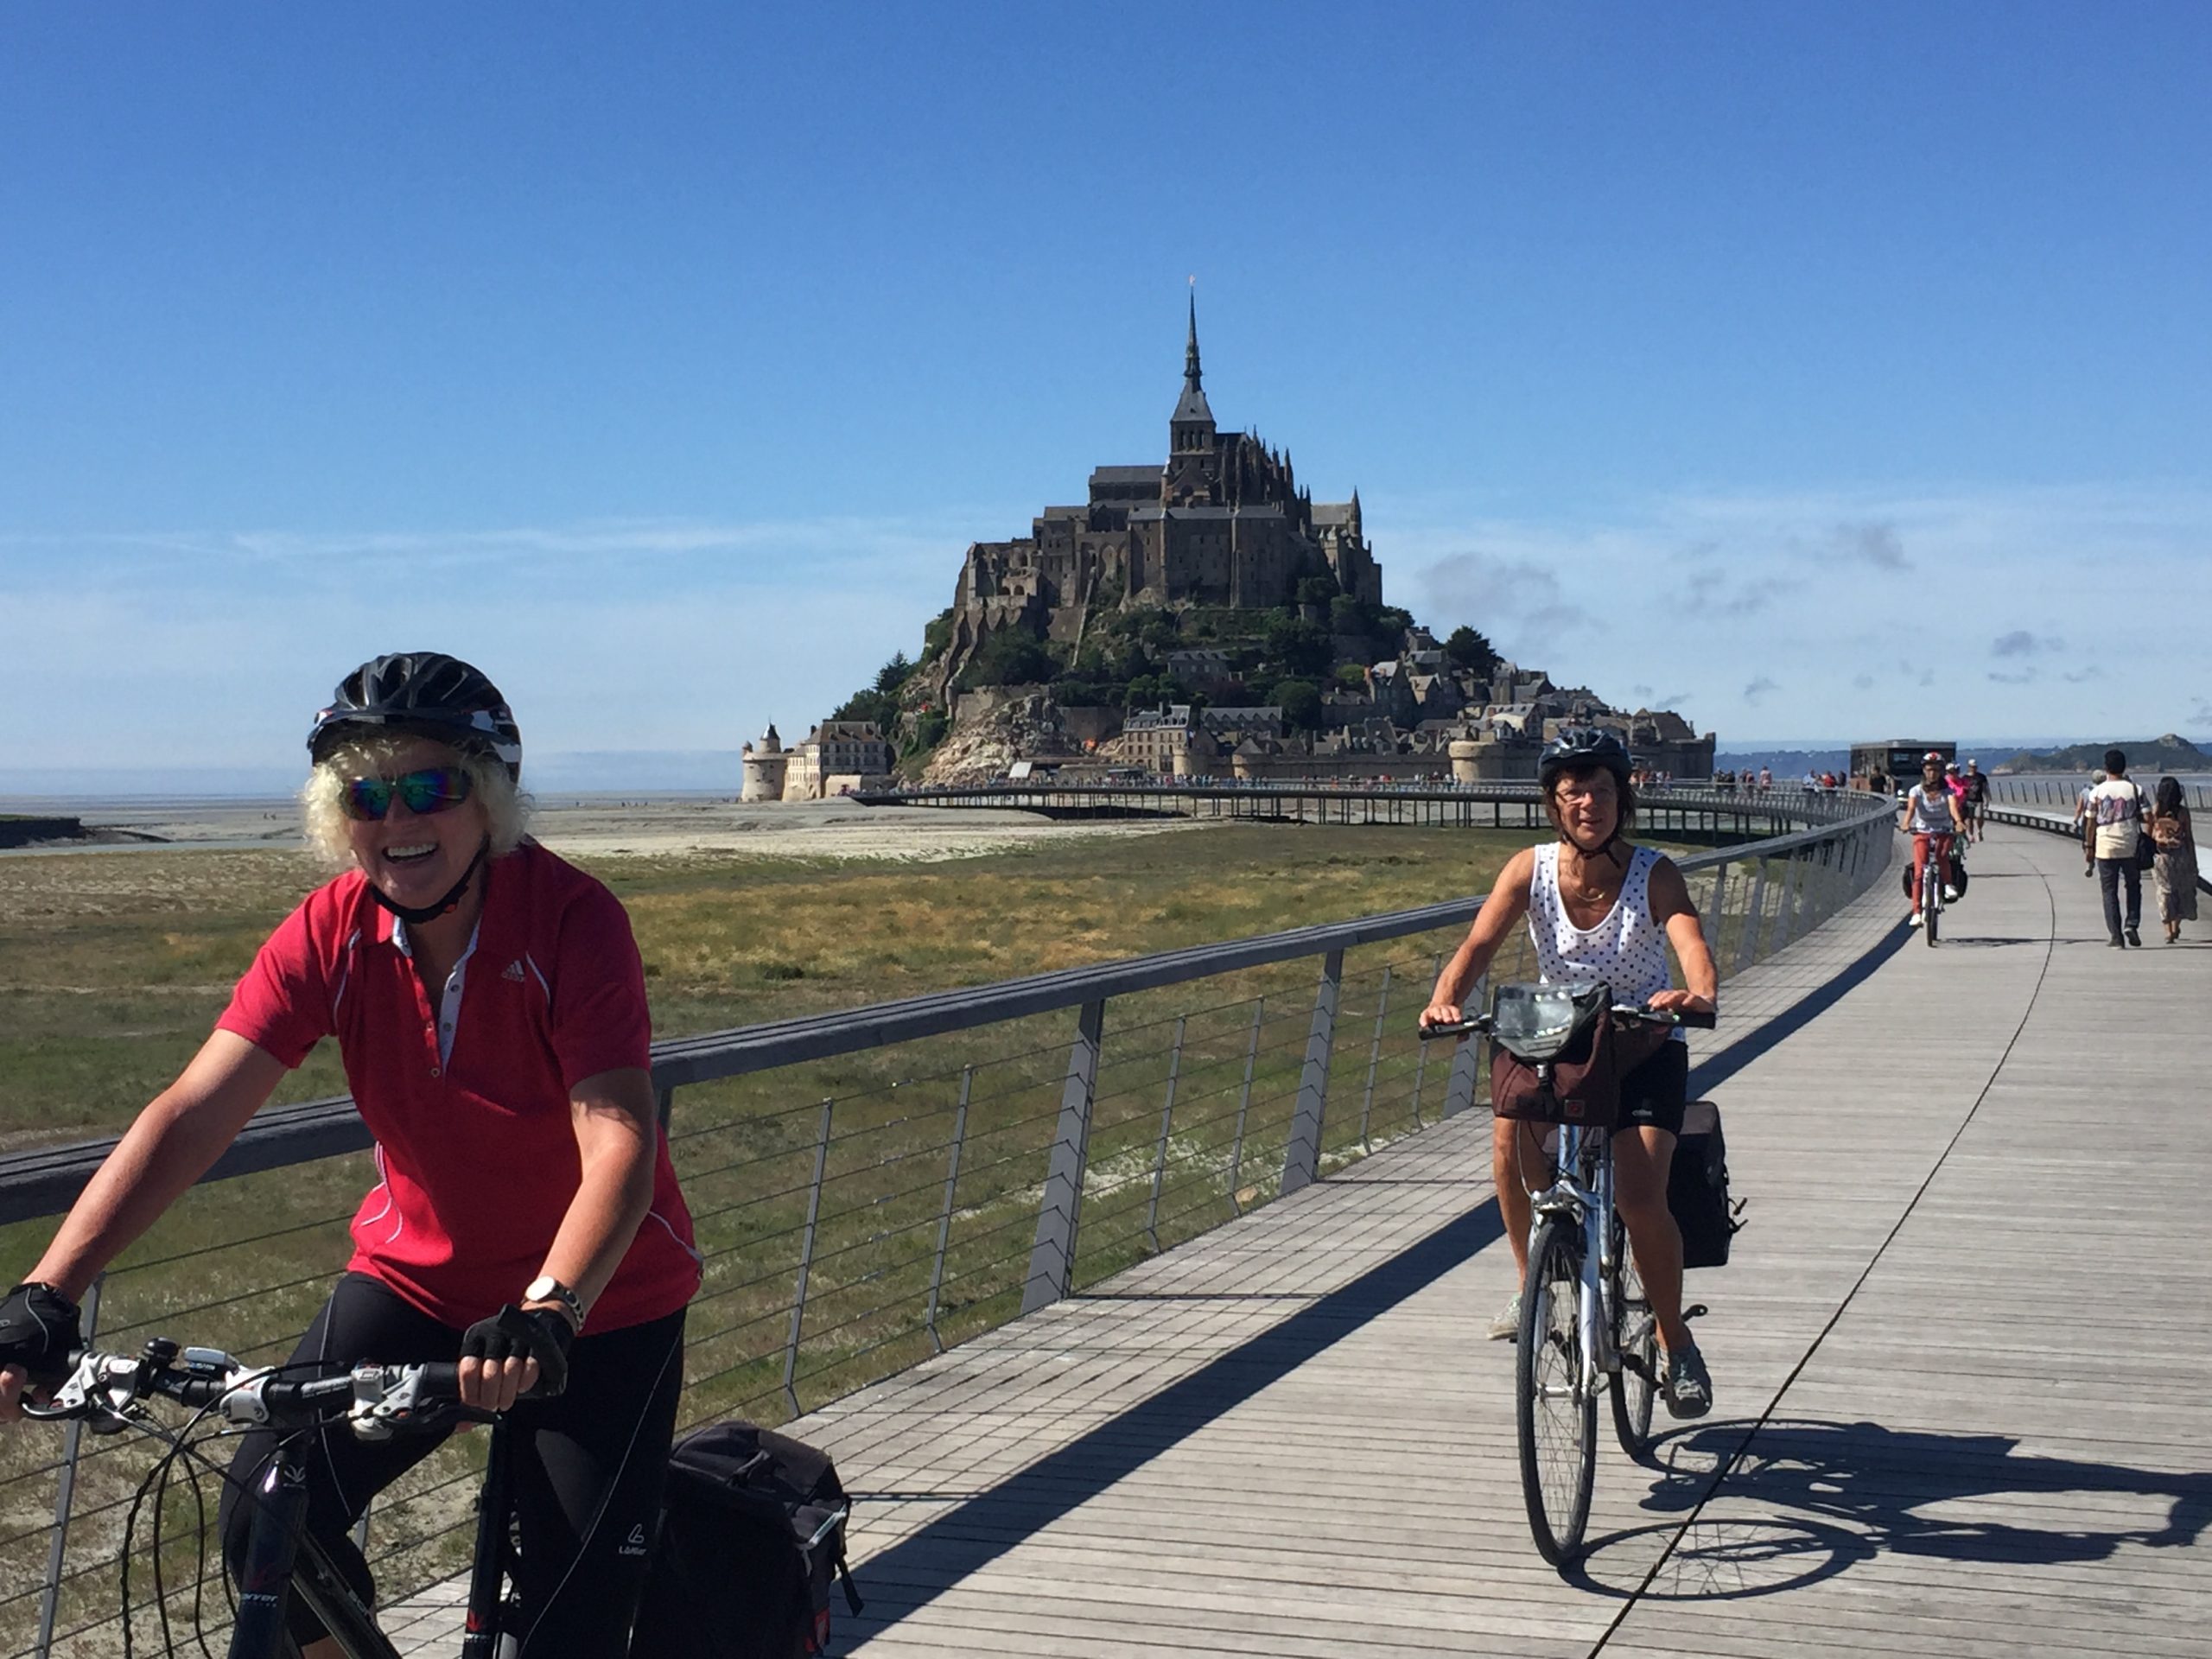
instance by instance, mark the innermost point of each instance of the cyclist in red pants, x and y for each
(1931, 818)
(489, 1003)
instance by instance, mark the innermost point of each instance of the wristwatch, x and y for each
(546, 1288)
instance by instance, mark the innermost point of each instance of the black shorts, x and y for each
(1657, 1094)
(587, 1467)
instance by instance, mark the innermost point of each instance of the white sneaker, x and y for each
(1506, 1327)
(1915, 922)
(1950, 895)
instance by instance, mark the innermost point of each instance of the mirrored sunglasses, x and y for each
(433, 789)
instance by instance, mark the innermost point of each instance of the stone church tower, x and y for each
(1222, 523)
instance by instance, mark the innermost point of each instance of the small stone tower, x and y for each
(764, 768)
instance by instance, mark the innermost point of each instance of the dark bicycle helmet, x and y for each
(1579, 748)
(423, 693)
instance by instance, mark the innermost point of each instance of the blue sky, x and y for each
(1822, 369)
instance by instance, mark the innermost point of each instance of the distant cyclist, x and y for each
(1977, 783)
(1932, 817)
(1599, 908)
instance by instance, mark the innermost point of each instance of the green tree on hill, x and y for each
(1469, 649)
(1009, 657)
(1301, 702)
(1297, 647)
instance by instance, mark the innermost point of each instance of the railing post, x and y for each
(1420, 1052)
(944, 1217)
(1374, 1059)
(1301, 1160)
(1244, 1105)
(1747, 942)
(806, 1257)
(1459, 1082)
(1719, 910)
(664, 1105)
(1051, 1258)
(1793, 891)
(65, 1492)
(1167, 1121)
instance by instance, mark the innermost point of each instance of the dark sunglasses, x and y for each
(433, 789)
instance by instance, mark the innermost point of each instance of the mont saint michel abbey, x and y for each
(1222, 521)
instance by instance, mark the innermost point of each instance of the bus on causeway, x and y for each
(1895, 760)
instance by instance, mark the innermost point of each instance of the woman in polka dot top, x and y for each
(1599, 908)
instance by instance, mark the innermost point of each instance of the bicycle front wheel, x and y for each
(1927, 918)
(1635, 1334)
(1556, 1416)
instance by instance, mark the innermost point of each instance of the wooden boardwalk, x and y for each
(1958, 1360)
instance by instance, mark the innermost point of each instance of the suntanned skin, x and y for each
(1584, 807)
(182, 1132)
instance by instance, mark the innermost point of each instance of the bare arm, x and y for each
(1505, 907)
(175, 1142)
(618, 1134)
(172, 1143)
(1672, 909)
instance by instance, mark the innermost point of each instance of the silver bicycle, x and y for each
(1586, 1326)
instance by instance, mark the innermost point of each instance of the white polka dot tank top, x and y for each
(1627, 949)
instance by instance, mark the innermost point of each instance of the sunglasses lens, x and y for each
(433, 789)
(367, 800)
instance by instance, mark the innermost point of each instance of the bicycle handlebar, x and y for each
(378, 1401)
(1695, 1019)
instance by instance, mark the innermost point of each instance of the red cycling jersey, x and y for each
(478, 1155)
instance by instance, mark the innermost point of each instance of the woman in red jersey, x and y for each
(489, 1005)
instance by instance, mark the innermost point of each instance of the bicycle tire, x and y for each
(1555, 1419)
(1928, 921)
(1636, 1385)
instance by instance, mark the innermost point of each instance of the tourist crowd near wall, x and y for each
(1199, 617)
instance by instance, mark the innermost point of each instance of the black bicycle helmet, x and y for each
(1578, 748)
(425, 694)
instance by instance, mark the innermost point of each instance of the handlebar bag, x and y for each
(1556, 1056)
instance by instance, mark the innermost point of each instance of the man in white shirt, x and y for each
(2115, 806)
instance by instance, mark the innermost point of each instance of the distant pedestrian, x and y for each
(2174, 869)
(2117, 809)
(1766, 778)
(2084, 825)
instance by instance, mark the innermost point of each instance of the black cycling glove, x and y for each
(39, 1331)
(538, 1334)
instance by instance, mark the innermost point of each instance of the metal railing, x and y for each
(2060, 793)
(869, 1187)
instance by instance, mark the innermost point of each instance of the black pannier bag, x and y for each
(752, 1530)
(1697, 1188)
(1556, 1056)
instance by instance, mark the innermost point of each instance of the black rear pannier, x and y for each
(1697, 1188)
(753, 1529)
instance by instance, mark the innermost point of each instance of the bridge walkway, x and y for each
(1958, 1358)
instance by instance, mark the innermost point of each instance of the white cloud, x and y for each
(1820, 592)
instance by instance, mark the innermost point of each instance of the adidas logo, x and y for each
(635, 1543)
(514, 971)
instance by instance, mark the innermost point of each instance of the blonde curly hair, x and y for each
(506, 808)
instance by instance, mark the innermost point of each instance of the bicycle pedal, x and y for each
(1695, 1311)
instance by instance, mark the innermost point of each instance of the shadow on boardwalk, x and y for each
(1823, 1497)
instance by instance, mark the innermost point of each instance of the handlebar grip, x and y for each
(1695, 1020)
(440, 1381)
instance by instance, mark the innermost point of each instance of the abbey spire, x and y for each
(1191, 427)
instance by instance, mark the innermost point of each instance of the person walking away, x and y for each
(2173, 871)
(2116, 808)
(2085, 825)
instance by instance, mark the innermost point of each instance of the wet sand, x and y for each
(644, 826)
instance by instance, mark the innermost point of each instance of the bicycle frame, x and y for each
(283, 1558)
(1588, 1198)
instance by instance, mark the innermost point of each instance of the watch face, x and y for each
(542, 1288)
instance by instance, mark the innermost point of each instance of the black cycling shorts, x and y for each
(1657, 1094)
(588, 1467)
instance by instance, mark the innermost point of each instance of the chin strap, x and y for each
(1604, 849)
(414, 916)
